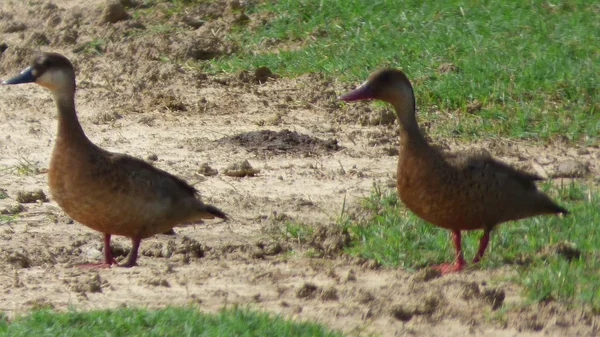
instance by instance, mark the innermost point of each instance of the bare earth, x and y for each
(130, 101)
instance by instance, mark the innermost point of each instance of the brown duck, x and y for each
(113, 193)
(463, 191)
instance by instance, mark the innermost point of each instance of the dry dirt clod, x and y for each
(53, 21)
(114, 12)
(38, 39)
(94, 283)
(17, 283)
(494, 296)
(390, 151)
(273, 248)
(256, 252)
(193, 22)
(39, 303)
(262, 74)
(470, 291)
(567, 249)
(106, 117)
(329, 294)
(425, 275)
(18, 259)
(14, 27)
(474, 106)
(402, 313)
(152, 157)
(205, 50)
(330, 240)
(187, 247)
(571, 169)
(236, 4)
(31, 197)
(351, 276)
(583, 151)
(207, 171)
(284, 141)
(430, 304)
(241, 19)
(241, 169)
(158, 282)
(119, 250)
(15, 208)
(364, 296)
(307, 291)
(447, 67)
(372, 265)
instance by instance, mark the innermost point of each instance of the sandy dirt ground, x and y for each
(313, 155)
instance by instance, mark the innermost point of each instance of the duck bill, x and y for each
(26, 76)
(363, 92)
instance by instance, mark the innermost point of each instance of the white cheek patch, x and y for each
(53, 79)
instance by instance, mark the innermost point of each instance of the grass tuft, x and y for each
(164, 322)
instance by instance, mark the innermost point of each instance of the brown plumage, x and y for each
(461, 191)
(113, 193)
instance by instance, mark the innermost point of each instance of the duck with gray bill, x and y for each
(460, 191)
(113, 193)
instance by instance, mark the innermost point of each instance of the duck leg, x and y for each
(135, 246)
(108, 258)
(483, 243)
(459, 260)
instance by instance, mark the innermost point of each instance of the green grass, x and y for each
(533, 65)
(296, 231)
(96, 47)
(394, 236)
(4, 219)
(176, 322)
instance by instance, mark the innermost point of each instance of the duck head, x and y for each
(50, 70)
(388, 85)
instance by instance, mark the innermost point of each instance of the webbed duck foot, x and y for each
(128, 264)
(131, 260)
(447, 268)
(459, 262)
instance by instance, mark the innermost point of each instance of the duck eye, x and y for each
(386, 78)
(44, 63)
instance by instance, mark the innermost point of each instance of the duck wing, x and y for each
(157, 186)
(130, 175)
(480, 162)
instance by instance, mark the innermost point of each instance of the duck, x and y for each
(461, 191)
(112, 193)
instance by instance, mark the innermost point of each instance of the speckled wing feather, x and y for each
(481, 159)
(146, 178)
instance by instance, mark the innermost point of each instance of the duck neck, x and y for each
(69, 129)
(410, 135)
